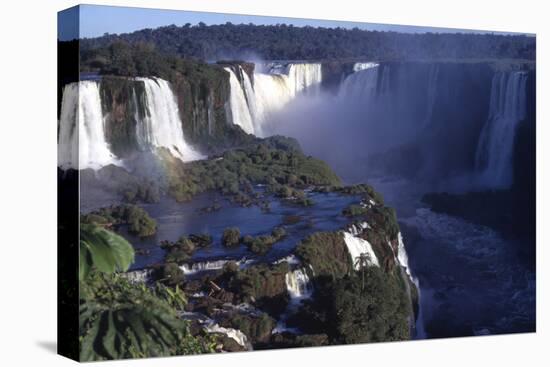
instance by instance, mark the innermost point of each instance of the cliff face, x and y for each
(122, 101)
(202, 100)
(334, 73)
(433, 115)
(203, 106)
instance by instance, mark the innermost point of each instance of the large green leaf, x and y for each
(123, 320)
(104, 250)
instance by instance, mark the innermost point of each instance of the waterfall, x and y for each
(494, 156)
(358, 66)
(162, 127)
(189, 269)
(356, 247)
(304, 77)
(402, 254)
(362, 84)
(298, 284)
(81, 142)
(84, 145)
(238, 336)
(432, 94)
(252, 103)
(240, 111)
(403, 260)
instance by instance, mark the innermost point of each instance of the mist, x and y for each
(384, 121)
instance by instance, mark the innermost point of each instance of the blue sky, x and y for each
(95, 20)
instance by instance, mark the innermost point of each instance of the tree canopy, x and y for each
(286, 42)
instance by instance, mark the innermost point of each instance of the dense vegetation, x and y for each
(119, 319)
(358, 308)
(286, 42)
(137, 219)
(275, 162)
(259, 245)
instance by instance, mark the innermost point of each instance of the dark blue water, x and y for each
(473, 281)
(177, 219)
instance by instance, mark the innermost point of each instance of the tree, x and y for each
(231, 237)
(362, 262)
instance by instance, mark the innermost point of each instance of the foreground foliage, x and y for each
(119, 319)
(122, 320)
(103, 250)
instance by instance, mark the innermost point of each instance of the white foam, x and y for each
(357, 246)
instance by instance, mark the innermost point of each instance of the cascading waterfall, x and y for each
(82, 142)
(358, 66)
(238, 336)
(357, 247)
(432, 94)
(161, 127)
(304, 77)
(298, 284)
(84, 145)
(194, 268)
(252, 103)
(494, 156)
(362, 84)
(403, 260)
(240, 111)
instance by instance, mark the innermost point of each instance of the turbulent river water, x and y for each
(473, 281)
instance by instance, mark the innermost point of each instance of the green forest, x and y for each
(286, 42)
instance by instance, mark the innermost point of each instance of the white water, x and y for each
(162, 126)
(234, 334)
(290, 259)
(402, 256)
(357, 246)
(358, 66)
(253, 101)
(138, 276)
(240, 112)
(81, 142)
(198, 267)
(496, 143)
(403, 260)
(298, 284)
(362, 84)
(432, 94)
(304, 77)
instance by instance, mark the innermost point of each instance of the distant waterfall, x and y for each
(298, 284)
(303, 77)
(358, 66)
(362, 84)
(81, 142)
(432, 94)
(251, 103)
(240, 111)
(494, 157)
(161, 126)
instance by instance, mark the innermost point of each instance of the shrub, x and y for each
(172, 274)
(231, 237)
(354, 211)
